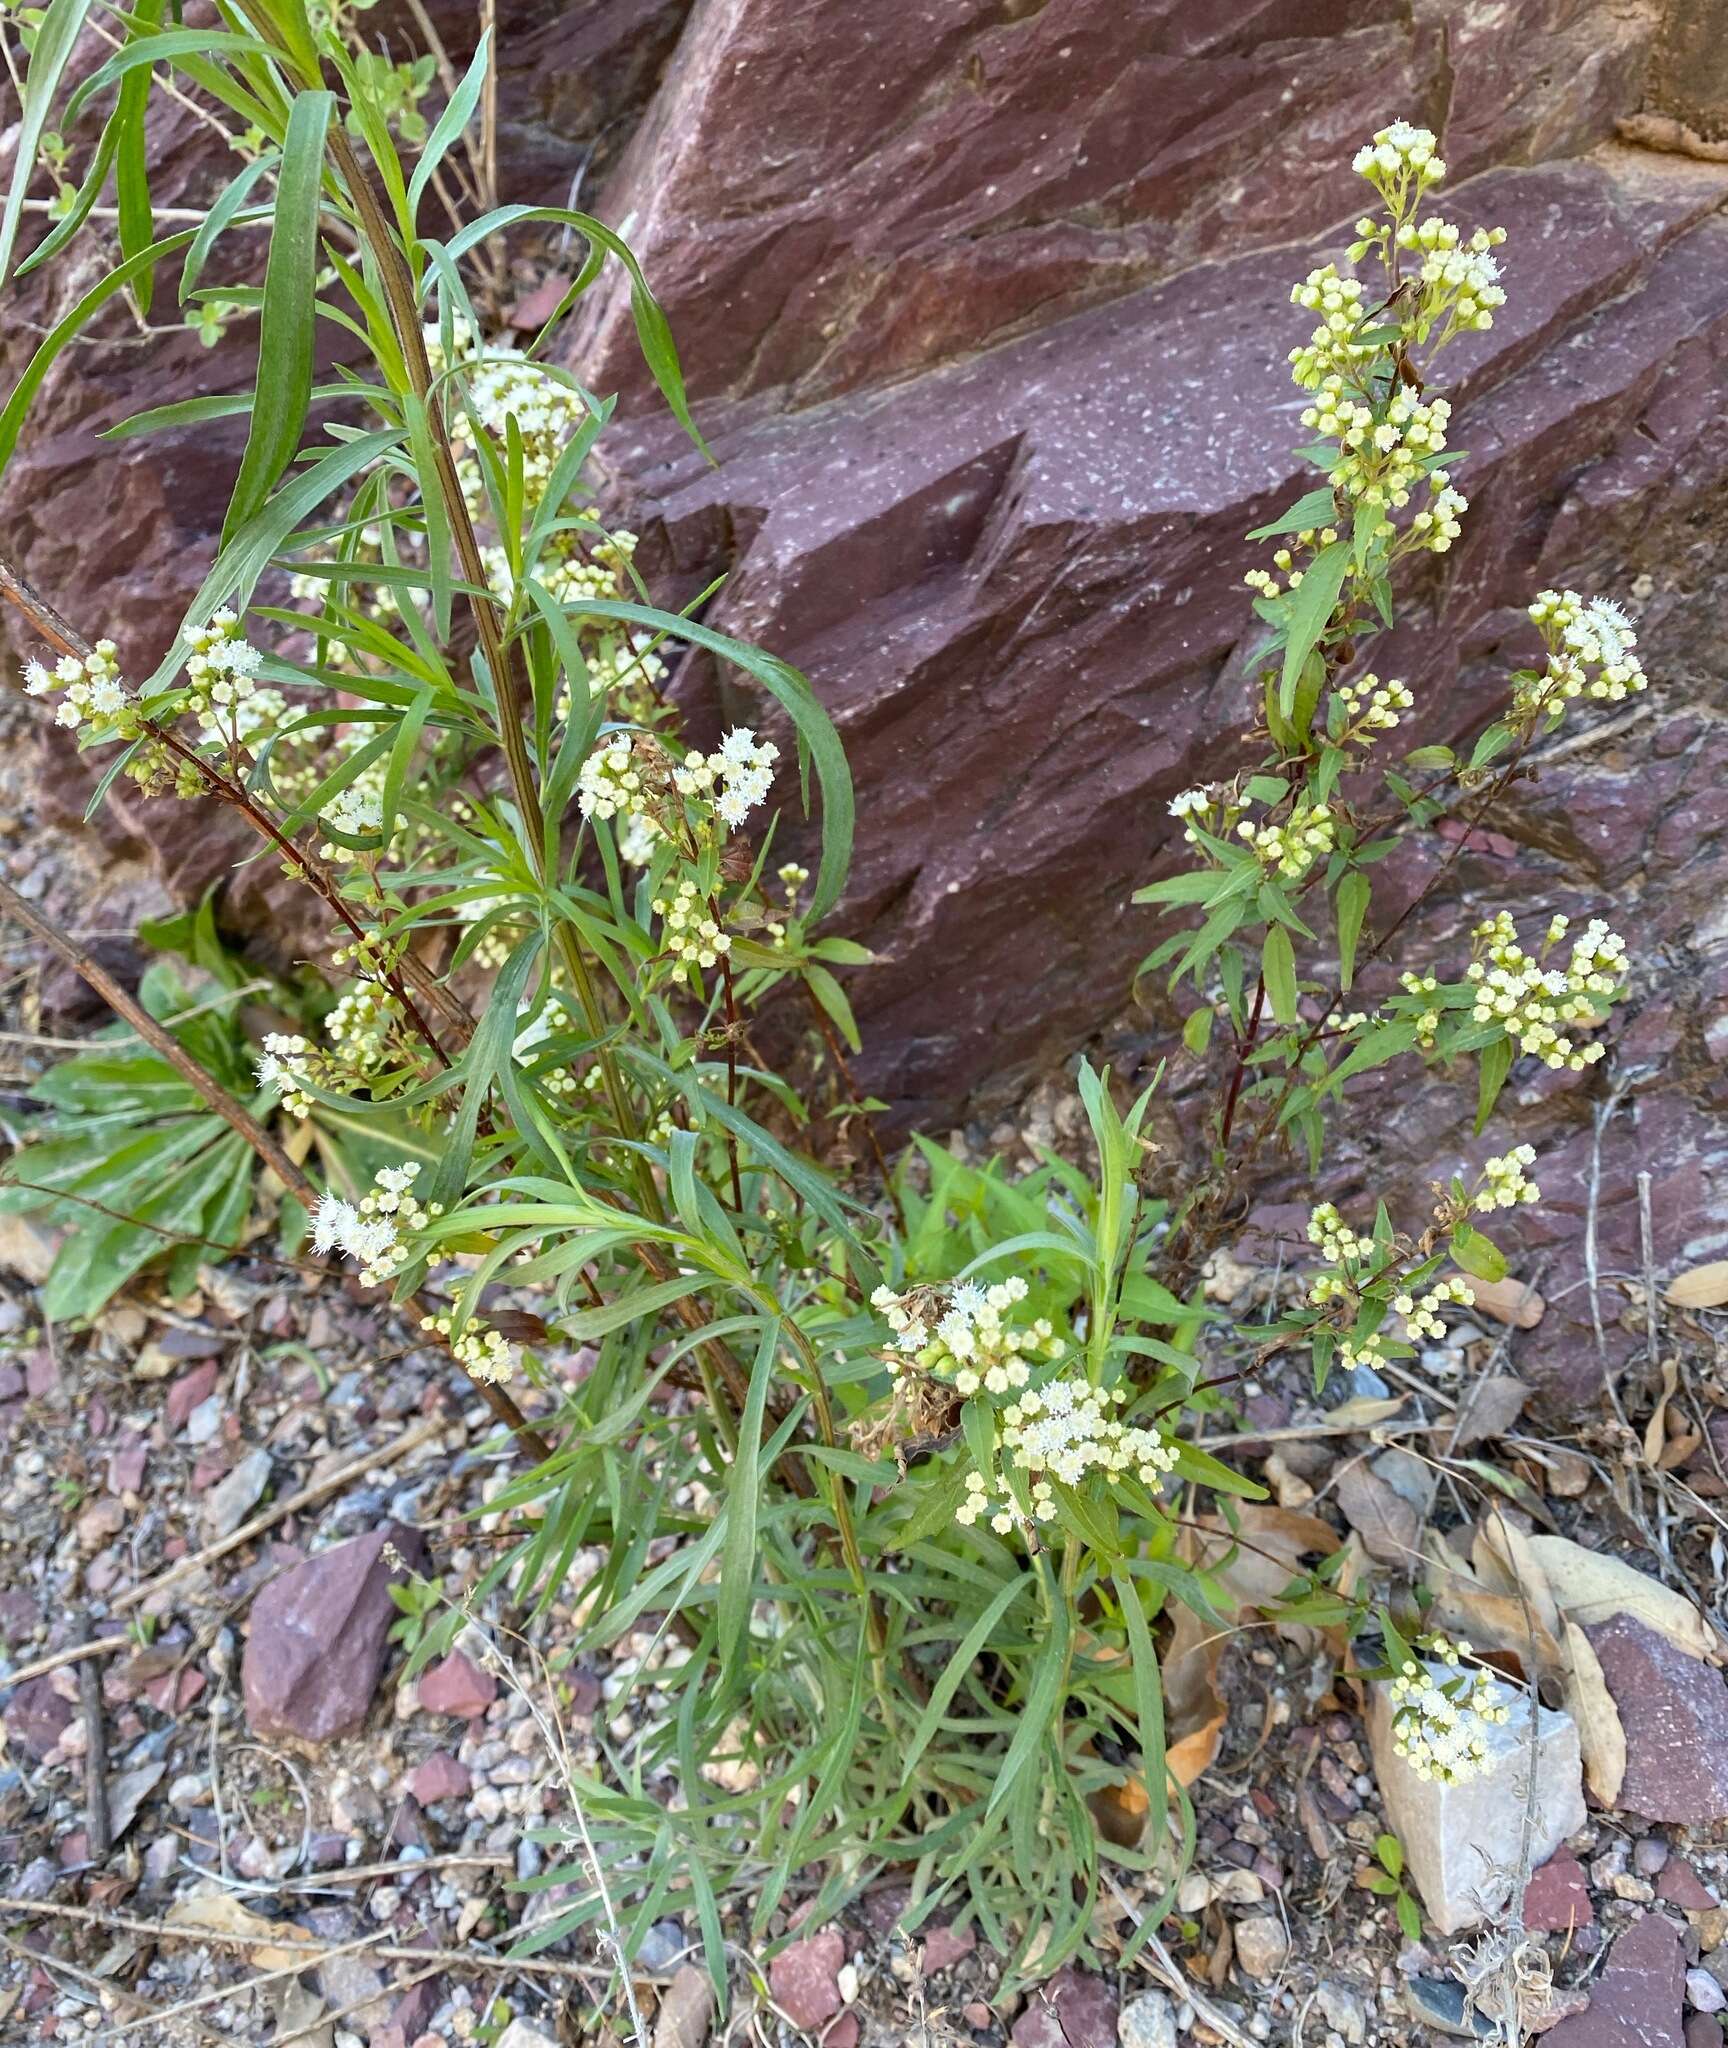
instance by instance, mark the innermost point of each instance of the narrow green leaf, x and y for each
(450, 124)
(288, 325)
(1354, 892)
(743, 1490)
(131, 169)
(220, 218)
(55, 37)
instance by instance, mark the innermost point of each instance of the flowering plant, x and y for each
(899, 1452)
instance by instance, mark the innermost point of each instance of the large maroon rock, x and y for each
(984, 307)
(1636, 2003)
(1675, 1714)
(318, 1634)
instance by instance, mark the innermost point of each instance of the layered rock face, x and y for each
(985, 311)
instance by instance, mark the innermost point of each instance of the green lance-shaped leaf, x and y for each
(289, 322)
(1310, 610)
(55, 36)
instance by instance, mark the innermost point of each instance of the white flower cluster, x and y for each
(1292, 848)
(91, 692)
(1590, 643)
(1460, 280)
(1196, 804)
(1532, 1002)
(370, 1231)
(504, 385)
(735, 778)
(693, 938)
(1440, 1714)
(221, 664)
(480, 1350)
(965, 1333)
(1397, 156)
(577, 562)
(284, 1065)
(1066, 1430)
(1372, 706)
(1503, 1183)
(356, 810)
(1421, 1311)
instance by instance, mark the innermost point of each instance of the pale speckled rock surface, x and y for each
(1462, 1842)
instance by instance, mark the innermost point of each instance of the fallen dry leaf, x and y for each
(1291, 1489)
(1510, 1300)
(1496, 1622)
(1601, 1737)
(1567, 1474)
(219, 1912)
(1388, 1524)
(1591, 1587)
(1362, 1411)
(1700, 1286)
(1656, 1429)
(1194, 1714)
(1506, 1563)
(1489, 1409)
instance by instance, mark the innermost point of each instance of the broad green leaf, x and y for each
(1278, 965)
(1354, 892)
(1478, 1255)
(1308, 612)
(1495, 1065)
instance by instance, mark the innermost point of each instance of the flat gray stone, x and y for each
(1462, 1842)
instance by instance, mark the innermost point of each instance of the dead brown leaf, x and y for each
(1592, 1586)
(219, 1912)
(1505, 1563)
(1362, 1411)
(1601, 1737)
(1388, 1524)
(1194, 1713)
(1489, 1409)
(1700, 1286)
(1510, 1300)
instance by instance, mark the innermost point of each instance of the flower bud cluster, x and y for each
(1382, 458)
(1331, 349)
(1439, 525)
(693, 937)
(89, 687)
(1371, 706)
(481, 1352)
(1196, 804)
(1460, 280)
(285, 1065)
(1590, 645)
(1337, 1241)
(614, 783)
(1291, 849)
(360, 1025)
(1441, 1712)
(1532, 1002)
(1503, 1183)
(1421, 1311)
